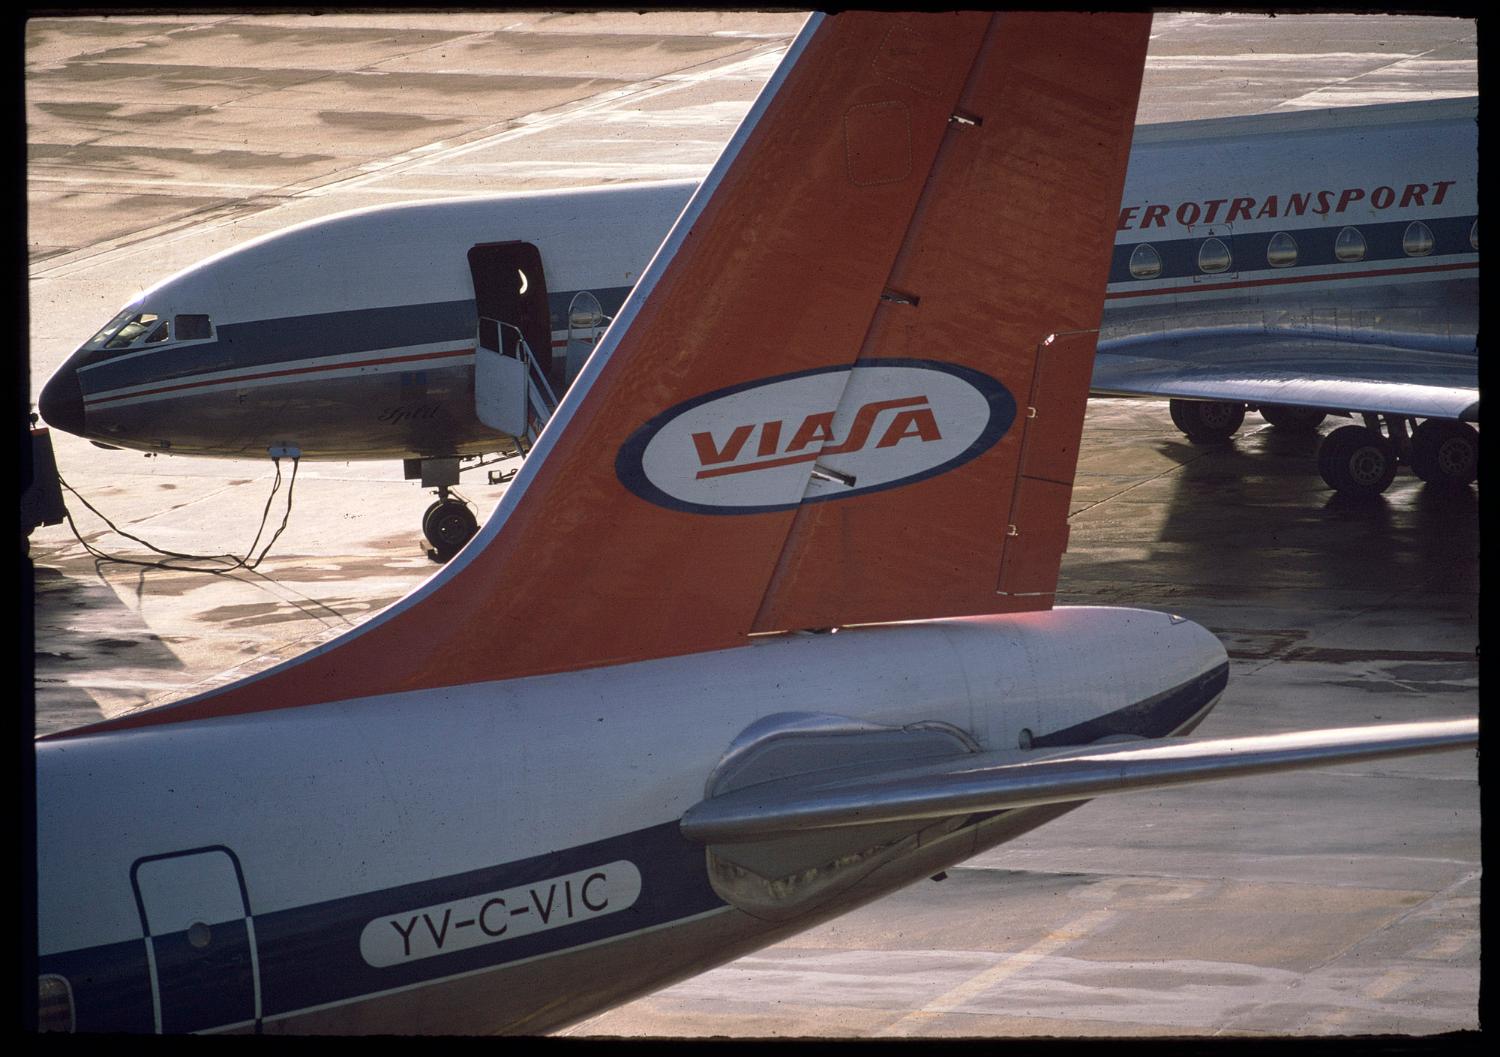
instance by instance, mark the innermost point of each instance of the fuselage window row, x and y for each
(1214, 255)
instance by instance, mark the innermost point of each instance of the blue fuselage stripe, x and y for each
(310, 955)
(1155, 717)
(1384, 243)
(261, 343)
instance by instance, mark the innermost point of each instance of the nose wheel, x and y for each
(448, 525)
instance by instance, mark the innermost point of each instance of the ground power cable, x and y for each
(249, 562)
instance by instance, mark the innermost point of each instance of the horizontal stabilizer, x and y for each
(999, 781)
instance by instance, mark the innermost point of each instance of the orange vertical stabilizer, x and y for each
(849, 388)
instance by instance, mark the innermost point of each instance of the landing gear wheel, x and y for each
(1445, 454)
(448, 525)
(1357, 461)
(1206, 421)
(1292, 419)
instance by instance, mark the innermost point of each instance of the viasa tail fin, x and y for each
(848, 389)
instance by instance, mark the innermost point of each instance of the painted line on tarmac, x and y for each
(1387, 984)
(547, 120)
(976, 985)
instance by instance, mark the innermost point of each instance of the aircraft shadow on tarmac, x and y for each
(1255, 508)
(88, 629)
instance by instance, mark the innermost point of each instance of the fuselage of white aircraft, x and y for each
(1286, 247)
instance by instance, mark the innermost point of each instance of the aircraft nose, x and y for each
(61, 402)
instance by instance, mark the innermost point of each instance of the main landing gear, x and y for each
(1354, 460)
(1361, 460)
(1292, 419)
(1358, 460)
(1445, 453)
(1206, 421)
(448, 525)
(1215, 421)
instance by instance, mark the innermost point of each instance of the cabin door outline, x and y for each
(200, 941)
(510, 286)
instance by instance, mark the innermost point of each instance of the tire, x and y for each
(1445, 454)
(1206, 421)
(448, 526)
(1357, 461)
(427, 529)
(1292, 419)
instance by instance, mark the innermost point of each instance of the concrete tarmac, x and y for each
(1343, 900)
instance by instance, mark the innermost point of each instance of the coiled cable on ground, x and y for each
(234, 563)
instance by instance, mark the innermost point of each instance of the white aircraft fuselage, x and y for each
(1275, 248)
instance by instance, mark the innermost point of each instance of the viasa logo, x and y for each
(814, 439)
(816, 435)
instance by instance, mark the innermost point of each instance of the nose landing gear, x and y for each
(448, 524)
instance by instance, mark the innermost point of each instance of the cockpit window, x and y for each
(113, 325)
(133, 329)
(192, 328)
(143, 328)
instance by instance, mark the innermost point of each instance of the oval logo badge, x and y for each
(828, 433)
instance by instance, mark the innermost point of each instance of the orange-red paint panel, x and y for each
(1039, 518)
(1055, 409)
(1011, 244)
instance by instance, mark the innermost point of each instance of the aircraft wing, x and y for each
(1296, 369)
(982, 782)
